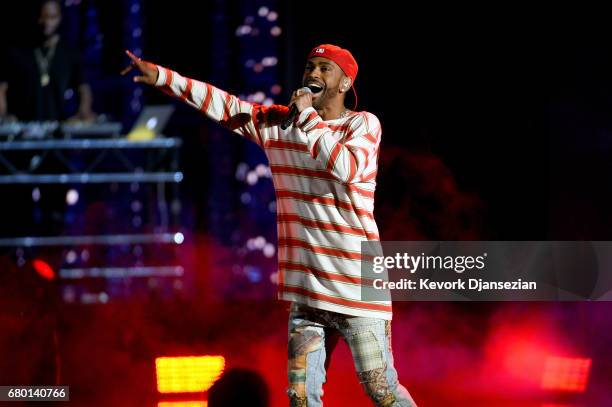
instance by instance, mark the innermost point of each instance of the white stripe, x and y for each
(322, 286)
(331, 264)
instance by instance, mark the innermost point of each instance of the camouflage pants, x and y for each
(313, 334)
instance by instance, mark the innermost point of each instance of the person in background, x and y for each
(34, 80)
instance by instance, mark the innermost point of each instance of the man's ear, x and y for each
(346, 84)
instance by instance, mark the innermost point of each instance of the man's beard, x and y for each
(324, 98)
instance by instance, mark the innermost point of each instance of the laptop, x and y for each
(152, 120)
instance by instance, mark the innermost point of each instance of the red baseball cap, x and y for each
(342, 57)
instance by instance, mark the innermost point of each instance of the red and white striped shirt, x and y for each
(324, 173)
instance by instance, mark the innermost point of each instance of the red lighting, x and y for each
(566, 374)
(43, 269)
(182, 404)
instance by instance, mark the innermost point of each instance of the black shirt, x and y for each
(27, 98)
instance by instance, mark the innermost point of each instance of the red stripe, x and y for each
(371, 138)
(226, 108)
(370, 176)
(334, 300)
(361, 191)
(283, 193)
(320, 224)
(256, 109)
(290, 242)
(187, 93)
(287, 169)
(320, 273)
(343, 278)
(312, 116)
(339, 127)
(331, 162)
(320, 125)
(169, 75)
(207, 99)
(281, 144)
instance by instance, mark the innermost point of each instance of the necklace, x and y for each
(344, 114)
(44, 61)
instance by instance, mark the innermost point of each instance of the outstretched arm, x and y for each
(244, 118)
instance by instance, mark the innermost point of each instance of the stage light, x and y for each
(71, 257)
(566, 374)
(179, 238)
(263, 11)
(269, 61)
(276, 89)
(252, 178)
(276, 31)
(245, 198)
(36, 194)
(189, 374)
(43, 269)
(182, 404)
(241, 171)
(259, 96)
(72, 197)
(262, 170)
(136, 206)
(259, 242)
(269, 250)
(272, 16)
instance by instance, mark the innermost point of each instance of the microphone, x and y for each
(293, 111)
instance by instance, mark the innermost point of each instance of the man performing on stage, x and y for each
(324, 168)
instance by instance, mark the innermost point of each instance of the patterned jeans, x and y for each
(314, 333)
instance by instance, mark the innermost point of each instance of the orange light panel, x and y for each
(182, 404)
(566, 374)
(188, 374)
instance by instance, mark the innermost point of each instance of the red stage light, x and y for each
(182, 404)
(566, 374)
(560, 405)
(189, 374)
(43, 269)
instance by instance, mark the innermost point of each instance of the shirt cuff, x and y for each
(162, 74)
